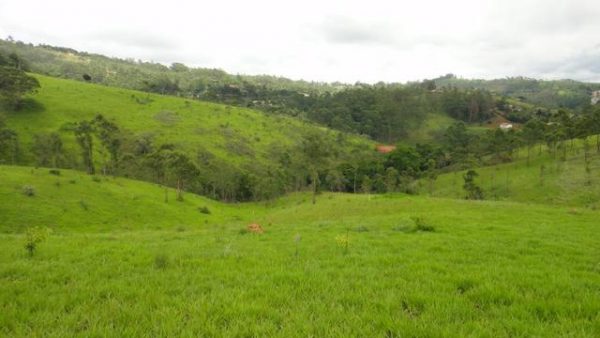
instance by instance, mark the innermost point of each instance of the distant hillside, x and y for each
(545, 93)
(235, 150)
(135, 74)
(385, 112)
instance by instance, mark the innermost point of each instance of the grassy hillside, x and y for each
(545, 180)
(233, 134)
(74, 201)
(351, 265)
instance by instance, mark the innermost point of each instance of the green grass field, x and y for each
(125, 263)
(235, 135)
(559, 182)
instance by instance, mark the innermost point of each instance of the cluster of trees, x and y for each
(14, 82)
(550, 94)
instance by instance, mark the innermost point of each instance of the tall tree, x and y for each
(316, 152)
(84, 135)
(14, 84)
(48, 149)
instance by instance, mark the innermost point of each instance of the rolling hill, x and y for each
(233, 134)
(546, 180)
(121, 261)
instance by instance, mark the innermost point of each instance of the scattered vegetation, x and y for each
(28, 190)
(33, 237)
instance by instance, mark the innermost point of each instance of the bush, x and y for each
(161, 261)
(421, 225)
(54, 172)
(28, 191)
(96, 179)
(83, 205)
(33, 237)
(414, 224)
(204, 210)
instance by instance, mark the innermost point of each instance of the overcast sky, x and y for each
(349, 41)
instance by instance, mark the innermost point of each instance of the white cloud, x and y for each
(328, 40)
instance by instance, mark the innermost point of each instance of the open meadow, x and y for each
(119, 261)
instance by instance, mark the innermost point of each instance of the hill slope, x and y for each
(368, 265)
(232, 147)
(546, 180)
(190, 125)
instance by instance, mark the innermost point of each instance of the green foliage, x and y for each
(550, 94)
(473, 191)
(14, 84)
(48, 150)
(28, 190)
(33, 237)
(9, 146)
(83, 134)
(161, 261)
(204, 210)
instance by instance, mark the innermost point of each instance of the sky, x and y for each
(348, 41)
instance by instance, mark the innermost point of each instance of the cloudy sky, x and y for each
(322, 40)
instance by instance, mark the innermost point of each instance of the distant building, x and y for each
(506, 126)
(596, 97)
(384, 149)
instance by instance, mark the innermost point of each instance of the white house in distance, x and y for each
(595, 97)
(506, 126)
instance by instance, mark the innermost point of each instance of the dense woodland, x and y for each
(319, 161)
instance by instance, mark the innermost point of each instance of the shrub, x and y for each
(244, 231)
(83, 205)
(33, 237)
(361, 228)
(28, 191)
(54, 172)
(343, 241)
(161, 261)
(421, 225)
(464, 285)
(204, 210)
(96, 179)
(414, 224)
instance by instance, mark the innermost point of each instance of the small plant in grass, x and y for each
(343, 241)
(244, 231)
(297, 240)
(54, 172)
(161, 261)
(422, 225)
(83, 205)
(28, 191)
(361, 228)
(204, 210)
(464, 285)
(414, 224)
(96, 179)
(33, 237)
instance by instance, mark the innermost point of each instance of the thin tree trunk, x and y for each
(179, 188)
(314, 187)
